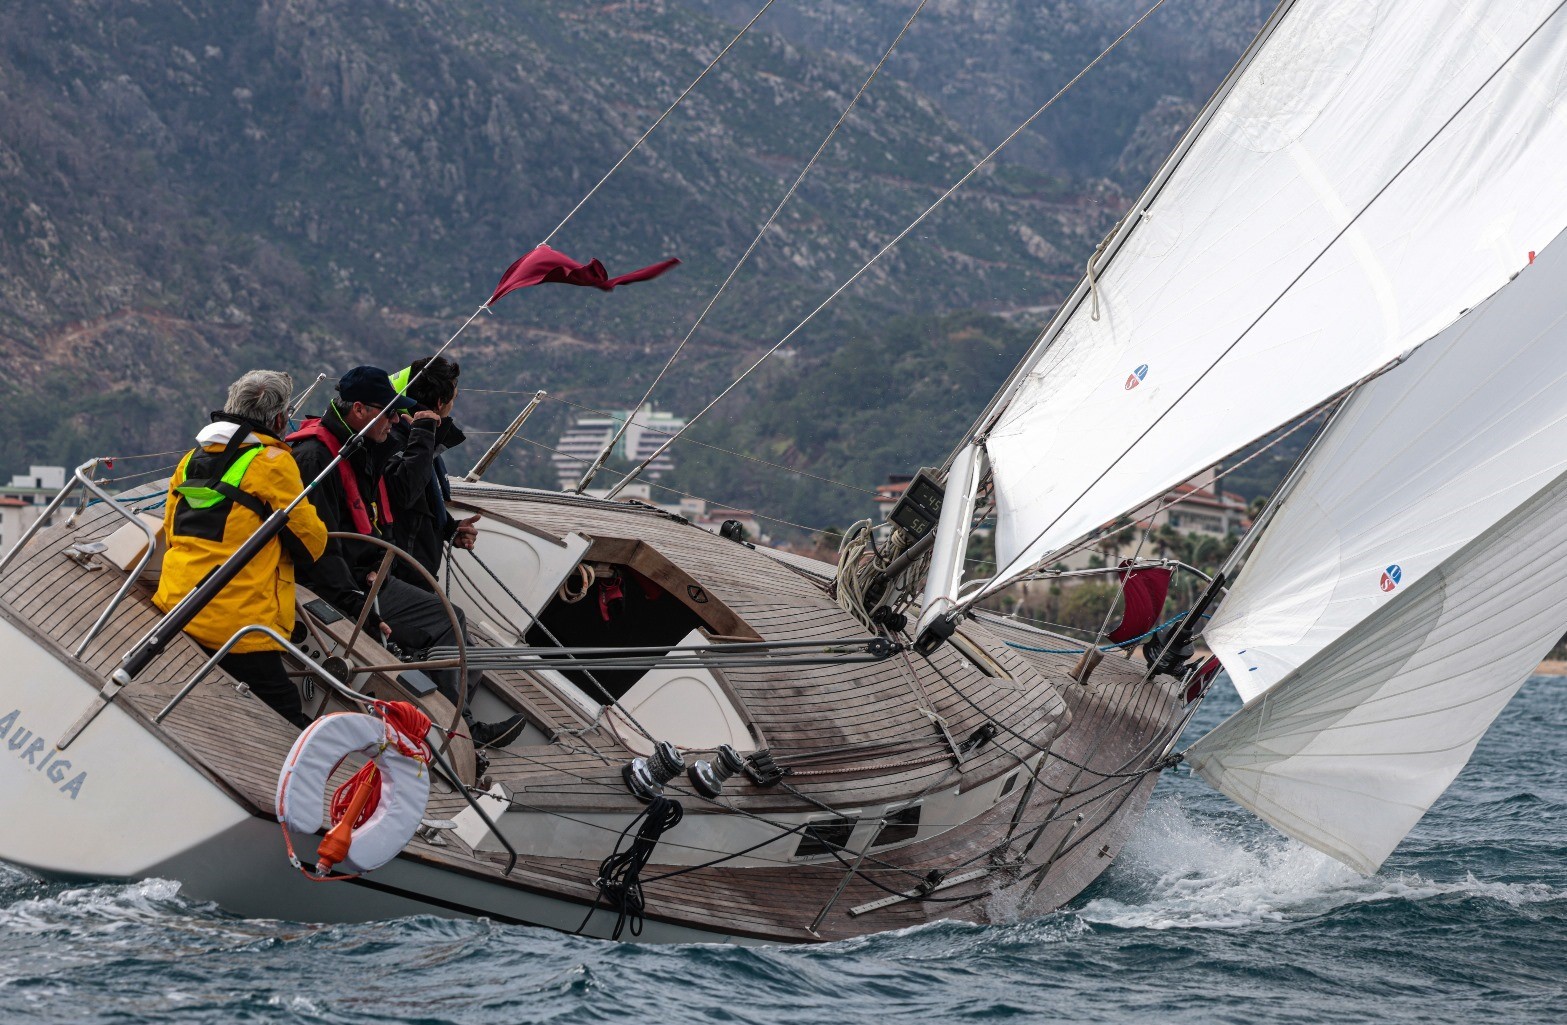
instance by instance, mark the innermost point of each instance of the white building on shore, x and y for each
(23, 500)
(589, 433)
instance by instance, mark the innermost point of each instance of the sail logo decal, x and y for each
(40, 754)
(1135, 378)
(1391, 576)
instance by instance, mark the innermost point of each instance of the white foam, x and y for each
(105, 904)
(1183, 874)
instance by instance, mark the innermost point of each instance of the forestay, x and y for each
(1416, 464)
(1379, 166)
(1348, 752)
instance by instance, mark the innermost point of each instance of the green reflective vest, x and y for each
(400, 380)
(206, 494)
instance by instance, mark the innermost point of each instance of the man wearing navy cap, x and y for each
(356, 498)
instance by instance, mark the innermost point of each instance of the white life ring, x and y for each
(405, 786)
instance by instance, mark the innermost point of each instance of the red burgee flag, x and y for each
(545, 265)
(1145, 591)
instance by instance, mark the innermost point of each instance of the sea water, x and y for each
(1208, 916)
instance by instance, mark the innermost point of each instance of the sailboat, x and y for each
(772, 749)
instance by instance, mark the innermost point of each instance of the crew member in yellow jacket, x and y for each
(239, 472)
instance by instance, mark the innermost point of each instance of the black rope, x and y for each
(620, 875)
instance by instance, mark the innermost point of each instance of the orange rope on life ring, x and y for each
(354, 804)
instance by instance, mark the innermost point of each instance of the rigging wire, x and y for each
(899, 237)
(1350, 223)
(832, 132)
(670, 110)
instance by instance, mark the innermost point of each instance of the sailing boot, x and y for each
(497, 734)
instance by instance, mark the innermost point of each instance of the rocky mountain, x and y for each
(989, 64)
(188, 190)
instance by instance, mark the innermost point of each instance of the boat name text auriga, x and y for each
(29, 747)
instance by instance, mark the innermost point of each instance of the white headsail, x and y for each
(1417, 464)
(1376, 168)
(1348, 752)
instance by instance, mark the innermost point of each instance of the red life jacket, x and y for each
(311, 427)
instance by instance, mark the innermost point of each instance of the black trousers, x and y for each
(266, 676)
(418, 621)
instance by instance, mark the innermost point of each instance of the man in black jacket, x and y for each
(357, 497)
(423, 526)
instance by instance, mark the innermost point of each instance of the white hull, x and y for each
(114, 804)
(245, 871)
(119, 804)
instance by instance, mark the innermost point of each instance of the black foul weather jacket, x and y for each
(416, 475)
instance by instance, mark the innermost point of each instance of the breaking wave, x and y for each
(1182, 873)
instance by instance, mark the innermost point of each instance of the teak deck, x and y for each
(855, 735)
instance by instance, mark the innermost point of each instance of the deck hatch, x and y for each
(825, 836)
(901, 825)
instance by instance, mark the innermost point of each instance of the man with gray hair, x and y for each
(220, 494)
(261, 396)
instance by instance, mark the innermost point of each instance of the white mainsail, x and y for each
(1417, 464)
(1348, 752)
(1377, 167)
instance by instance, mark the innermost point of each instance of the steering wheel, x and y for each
(460, 663)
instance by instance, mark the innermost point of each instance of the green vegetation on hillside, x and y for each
(190, 190)
(886, 398)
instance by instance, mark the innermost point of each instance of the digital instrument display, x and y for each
(918, 511)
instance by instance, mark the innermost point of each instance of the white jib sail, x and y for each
(1418, 463)
(1348, 752)
(1379, 166)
